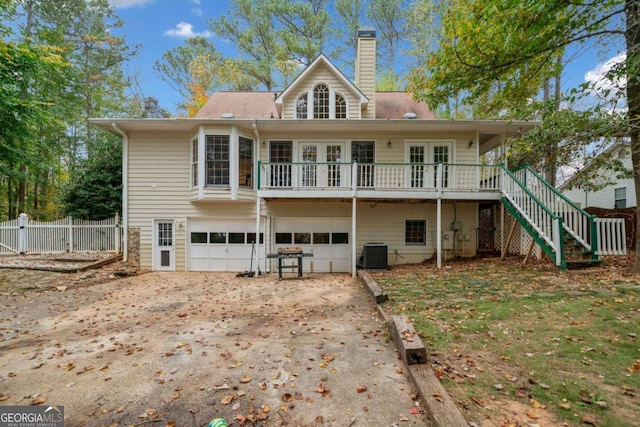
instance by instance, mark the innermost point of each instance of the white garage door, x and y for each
(328, 238)
(223, 244)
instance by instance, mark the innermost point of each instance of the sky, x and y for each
(160, 25)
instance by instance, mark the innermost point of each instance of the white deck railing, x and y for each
(612, 238)
(64, 235)
(610, 234)
(546, 224)
(379, 176)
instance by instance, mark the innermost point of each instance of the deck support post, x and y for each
(353, 237)
(256, 265)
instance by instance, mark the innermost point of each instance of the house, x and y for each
(328, 165)
(619, 194)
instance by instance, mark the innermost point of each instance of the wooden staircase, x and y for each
(566, 233)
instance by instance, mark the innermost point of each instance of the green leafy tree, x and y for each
(23, 110)
(350, 15)
(389, 17)
(506, 49)
(96, 191)
(274, 38)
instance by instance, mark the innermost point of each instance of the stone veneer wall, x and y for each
(133, 256)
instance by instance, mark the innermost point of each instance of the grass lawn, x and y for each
(521, 345)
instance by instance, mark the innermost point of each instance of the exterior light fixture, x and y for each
(389, 144)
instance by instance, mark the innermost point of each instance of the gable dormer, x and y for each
(321, 91)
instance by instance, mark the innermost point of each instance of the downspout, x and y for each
(258, 200)
(439, 216)
(125, 190)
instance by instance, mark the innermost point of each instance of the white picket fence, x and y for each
(22, 235)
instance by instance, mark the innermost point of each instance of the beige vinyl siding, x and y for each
(321, 74)
(462, 153)
(160, 188)
(385, 223)
(366, 73)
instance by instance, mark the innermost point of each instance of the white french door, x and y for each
(425, 157)
(321, 164)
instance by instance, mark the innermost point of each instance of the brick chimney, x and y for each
(366, 68)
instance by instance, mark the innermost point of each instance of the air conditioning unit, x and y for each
(374, 256)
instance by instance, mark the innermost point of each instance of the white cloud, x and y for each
(601, 84)
(128, 3)
(185, 30)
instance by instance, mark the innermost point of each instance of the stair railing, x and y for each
(545, 223)
(576, 221)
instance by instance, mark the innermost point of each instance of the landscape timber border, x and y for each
(440, 406)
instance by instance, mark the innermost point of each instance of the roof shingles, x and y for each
(261, 105)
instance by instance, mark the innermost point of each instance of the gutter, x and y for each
(125, 190)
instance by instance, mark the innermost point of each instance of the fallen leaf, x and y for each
(227, 399)
(287, 397)
(532, 414)
(361, 389)
(4, 397)
(478, 402)
(37, 401)
(245, 379)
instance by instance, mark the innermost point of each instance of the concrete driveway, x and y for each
(179, 349)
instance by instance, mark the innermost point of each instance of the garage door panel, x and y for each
(327, 256)
(228, 245)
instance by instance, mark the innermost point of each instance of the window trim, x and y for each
(210, 165)
(250, 176)
(617, 200)
(194, 162)
(310, 111)
(423, 232)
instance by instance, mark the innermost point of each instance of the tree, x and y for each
(350, 13)
(73, 71)
(507, 49)
(389, 17)
(23, 111)
(96, 191)
(274, 38)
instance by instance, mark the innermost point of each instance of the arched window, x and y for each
(301, 107)
(321, 102)
(341, 107)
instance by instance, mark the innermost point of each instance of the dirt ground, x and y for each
(179, 349)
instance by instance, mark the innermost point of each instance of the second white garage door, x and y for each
(328, 238)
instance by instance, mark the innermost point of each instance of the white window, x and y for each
(194, 162)
(301, 107)
(620, 198)
(245, 162)
(341, 107)
(217, 159)
(321, 102)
